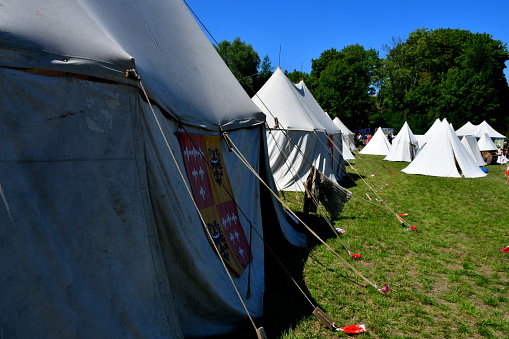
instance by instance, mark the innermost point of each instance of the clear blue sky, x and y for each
(304, 29)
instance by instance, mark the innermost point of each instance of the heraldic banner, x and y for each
(214, 197)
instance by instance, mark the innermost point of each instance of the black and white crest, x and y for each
(215, 164)
(218, 238)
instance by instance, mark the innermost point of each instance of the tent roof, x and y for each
(104, 39)
(309, 100)
(442, 156)
(466, 129)
(378, 145)
(485, 128)
(341, 126)
(403, 145)
(279, 98)
(433, 128)
(486, 144)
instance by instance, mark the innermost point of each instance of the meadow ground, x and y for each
(448, 278)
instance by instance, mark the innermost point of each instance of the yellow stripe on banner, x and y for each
(221, 188)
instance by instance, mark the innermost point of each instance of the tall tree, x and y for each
(446, 73)
(265, 71)
(243, 62)
(345, 83)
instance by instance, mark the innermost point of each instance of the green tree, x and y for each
(445, 73)
(297, 76)
(345, 83)
(243, 61)
(265, 71)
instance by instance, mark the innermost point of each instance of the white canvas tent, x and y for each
(444, 156)
(378, 145)
(348, 135)
(479, 130)
(485, 128)
(470, 143)
(404, 146)
(333, 131)
(296, 139)
(467, 129)
(99, 236)
(424, 138)
(486, 144)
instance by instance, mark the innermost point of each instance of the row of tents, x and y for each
(441, 151)
(301, 134)
(130, 172)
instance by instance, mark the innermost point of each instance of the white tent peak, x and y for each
(404, 146)
(423, 138)
(378, 145)
(485, 128)
(467, 129)
(309, 100)
(479, 130)
(486, 144)
(279, 98)
(444, 156)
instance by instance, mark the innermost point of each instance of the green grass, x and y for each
(448, 278)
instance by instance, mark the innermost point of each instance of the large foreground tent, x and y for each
(296, 138)
(444, 156)
(118, 194)
(404, 146)
(378, 145)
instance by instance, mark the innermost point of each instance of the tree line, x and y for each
(441, 73)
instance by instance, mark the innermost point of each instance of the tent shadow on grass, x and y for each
(350, 180)
(284, 304)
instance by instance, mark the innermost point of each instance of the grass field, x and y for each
(448, 278)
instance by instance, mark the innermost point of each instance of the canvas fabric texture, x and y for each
(102, 237)
(378, 145)
(404, 146)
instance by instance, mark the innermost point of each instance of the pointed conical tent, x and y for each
(486, 144)
(424, 138)
(485, 128)
(444, 156)
(378, 145)
(466, 129)
(348, 135)
(404, 146)
(103, 237)
(296, 139)
(470, 143)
